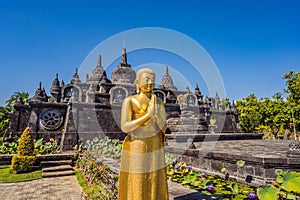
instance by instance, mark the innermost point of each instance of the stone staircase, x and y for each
(55, 168)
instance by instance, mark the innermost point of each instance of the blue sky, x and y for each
(253, 43)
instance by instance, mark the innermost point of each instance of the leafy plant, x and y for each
(79, 148)
(26, 144)
(9, 147)
(4, 118)
(290, 181)
(97, 174)
(286, 187)
(22, 163)
(268, 193)
(40, 147)
(107, 147)
(214, 186)
(25, 151)
(240, 163)
(8, 108)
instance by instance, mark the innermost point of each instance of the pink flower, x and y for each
(100, 168)
(115, 161)
(84, 197)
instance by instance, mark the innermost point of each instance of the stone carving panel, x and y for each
(51, 119)
(118, 94)
(190, 100)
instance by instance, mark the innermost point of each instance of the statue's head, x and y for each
(145, 80)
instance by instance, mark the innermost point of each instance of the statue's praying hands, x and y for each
(143, 118)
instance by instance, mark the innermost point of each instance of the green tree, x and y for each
(293, 99)
(4, 118)
(250, 113)
(225, 103)
(24, 96)
(275, 115)
(5, 110)
(265, 115)
(293, 86)
(277, 97)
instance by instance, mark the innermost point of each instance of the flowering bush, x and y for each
(96, 173)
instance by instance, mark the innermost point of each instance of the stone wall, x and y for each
(261, 159)
(97, 120)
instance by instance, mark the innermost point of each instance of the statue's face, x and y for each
(146, 82)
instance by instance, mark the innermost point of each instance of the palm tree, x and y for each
(24, 96)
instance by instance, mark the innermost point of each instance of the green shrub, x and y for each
(26, 144)
(24, 158)
(107, 147)
(22, 163)
(9, 147)
(41, 147)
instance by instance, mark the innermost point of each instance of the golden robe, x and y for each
(143, 172)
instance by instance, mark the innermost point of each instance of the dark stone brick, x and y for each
(204, 164)
(231, 168)
(274, 161)
(259, 171)
(216, 165)
(270, 173)
(247, 170)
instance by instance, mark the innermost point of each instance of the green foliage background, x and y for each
(276, 116)
(5, 110)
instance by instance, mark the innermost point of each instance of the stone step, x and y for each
(56, 168)
(179, 192)
(56, 163)
(57, 173)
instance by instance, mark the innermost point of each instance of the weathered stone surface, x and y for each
(262, 158)
(82, 110)
(65, 187)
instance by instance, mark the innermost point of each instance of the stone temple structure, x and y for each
(82, 110)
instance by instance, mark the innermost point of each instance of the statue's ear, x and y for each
(136, 82)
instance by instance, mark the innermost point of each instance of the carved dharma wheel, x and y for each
(51, 119)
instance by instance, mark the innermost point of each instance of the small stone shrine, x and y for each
(82, 110)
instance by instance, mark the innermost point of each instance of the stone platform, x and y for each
(184, 136)
(262, 158)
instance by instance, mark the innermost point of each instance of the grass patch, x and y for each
(6, 176)
(91, 191)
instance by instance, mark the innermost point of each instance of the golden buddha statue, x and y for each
(142, 172)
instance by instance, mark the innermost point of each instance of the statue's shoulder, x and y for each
(129, 99)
